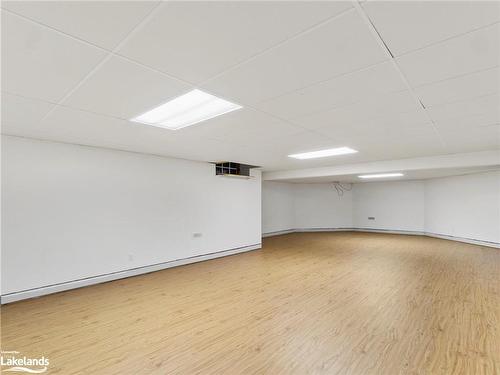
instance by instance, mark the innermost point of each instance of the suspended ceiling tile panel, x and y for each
(41, 63)
(81, 127)
(125, 89)
(276, 151)
(489, 118)
(19, 112)
(104, 23)
(485, 106)
(472, 139)
(409, 25)
(409, 175)
(384, 105)
(332, 78)
(388, 148)
(341, 91)
(244, 127)
(465, 54)
(342, 45)
(197, 40)
(300, 142)
(66, 124)
(379, 127)
(484, 82)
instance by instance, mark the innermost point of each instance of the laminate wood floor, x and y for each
(310, 303)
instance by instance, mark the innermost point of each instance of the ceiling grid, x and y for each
(304, 86)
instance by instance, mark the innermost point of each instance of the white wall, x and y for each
(319, 206)
(306, 206)
(278, 207)
(72, 212)
(464, 206)
(395, 205)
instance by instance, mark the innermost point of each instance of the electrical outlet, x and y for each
(371, 217)
(197, 235)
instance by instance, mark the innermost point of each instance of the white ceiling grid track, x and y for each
(394, 63)
(309, 75)
(106, 58)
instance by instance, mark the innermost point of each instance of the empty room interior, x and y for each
(250, 187)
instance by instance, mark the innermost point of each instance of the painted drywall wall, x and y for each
(394, 205)
(320, 206)
(73, 212)
(278, 207)
(288, 206)
(464, 206)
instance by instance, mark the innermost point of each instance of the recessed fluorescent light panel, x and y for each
(381, 175)
(324, 153)
(186, 110)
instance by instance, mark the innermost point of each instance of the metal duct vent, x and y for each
(232, 169)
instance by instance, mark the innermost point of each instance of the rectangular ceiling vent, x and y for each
(232, 169)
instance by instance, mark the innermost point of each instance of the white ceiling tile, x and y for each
(472, 139)
(402, 149)
(276, 151)
(485, 107)
(397, 125)
(242, 127)
(408, 144)
(474, 51)
(300, 142)
(20, 112)
(104, 23)
(360, 112)
(66, 124)
(74, 126)
(421, 174)
(409, 25)
(40, 63)
(462, 123)
(484, 82)
(125, 90)
(197, 40)
(341, 91)
(70, 125)
(332, 79)
(342, 45)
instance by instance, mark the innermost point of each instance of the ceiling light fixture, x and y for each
(381, 175)
(186, 110)
(323, 153)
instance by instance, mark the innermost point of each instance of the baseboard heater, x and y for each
(98, 279)
(472, 241)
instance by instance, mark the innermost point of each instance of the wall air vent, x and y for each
(232, 169)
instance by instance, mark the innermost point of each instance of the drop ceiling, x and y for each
(407, 175)
(309, 75)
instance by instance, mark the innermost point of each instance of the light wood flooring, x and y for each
(310, 303)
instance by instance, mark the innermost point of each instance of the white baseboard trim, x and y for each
(463, 239)
(49, 289)
(390, 231)
(74, 284)
(300, 230)
(278, 233)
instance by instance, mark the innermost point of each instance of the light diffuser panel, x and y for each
(186, 110)
(323, 153)
(381, 175)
